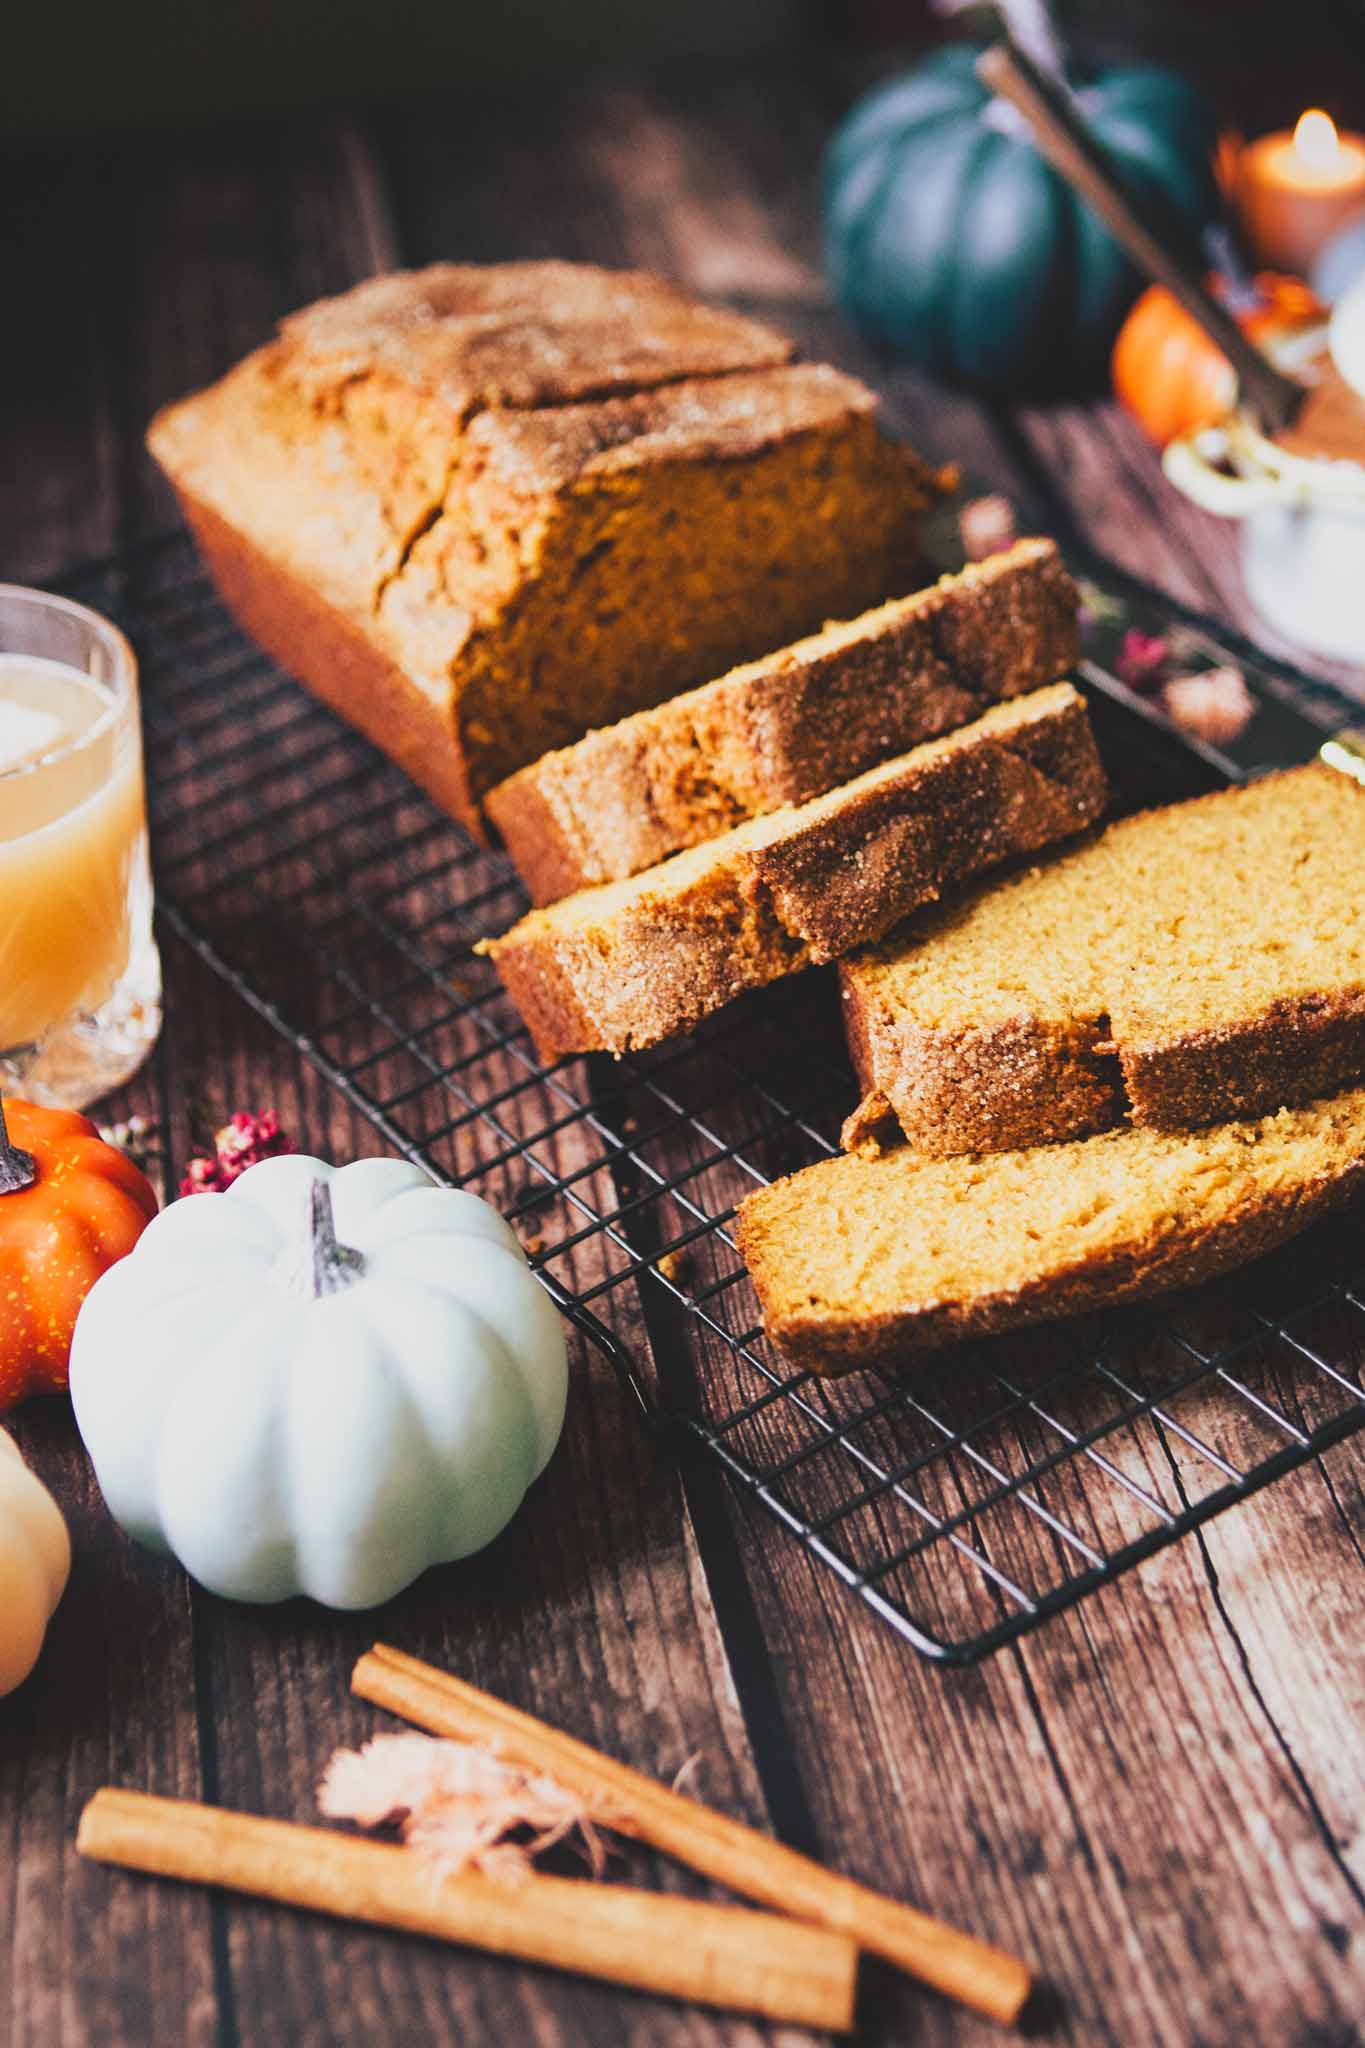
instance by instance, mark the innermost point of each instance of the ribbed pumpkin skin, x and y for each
(86, 1210)
(955, 244)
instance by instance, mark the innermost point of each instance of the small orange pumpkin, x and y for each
(1171, 377)
(70, 1205)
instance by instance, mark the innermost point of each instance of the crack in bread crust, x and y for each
(544, 495)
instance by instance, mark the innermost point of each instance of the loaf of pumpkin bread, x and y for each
(479, 510)
(1189, 965)
(790, 725)
(632, 962)
(868, 1262)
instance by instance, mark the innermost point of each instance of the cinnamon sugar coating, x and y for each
(790, 725)
(635, 961)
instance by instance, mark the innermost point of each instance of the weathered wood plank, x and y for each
(113, 1697)
(193, 247)
(114, 1693)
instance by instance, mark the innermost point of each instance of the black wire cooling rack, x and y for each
(964, 1504)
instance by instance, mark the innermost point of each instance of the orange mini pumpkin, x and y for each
(70, 1205)
(1172, 378)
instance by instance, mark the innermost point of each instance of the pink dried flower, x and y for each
(986, 525)
(243, 1141)
(1142, 658)
(457, 1803)
(1215, 705)
(201, 1176)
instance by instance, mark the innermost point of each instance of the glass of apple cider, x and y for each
(80, 981)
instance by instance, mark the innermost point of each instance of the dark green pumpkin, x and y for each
(953, 242)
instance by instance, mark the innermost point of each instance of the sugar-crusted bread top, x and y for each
(710, 419)
(525, 335)
(356, 446)
(483, 392)
(1177, 921)
(531, 498)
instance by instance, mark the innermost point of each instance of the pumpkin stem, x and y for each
(325, 1266)
(17, 1169)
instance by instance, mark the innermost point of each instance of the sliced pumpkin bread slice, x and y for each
(789, 726)
(868, 1262)
(635, 961)
(1186, 966)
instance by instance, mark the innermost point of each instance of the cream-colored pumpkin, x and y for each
(320, 1382)
(35, 1561)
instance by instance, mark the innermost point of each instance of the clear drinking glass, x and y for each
(80, 980)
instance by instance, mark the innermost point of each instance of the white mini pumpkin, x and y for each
(35, 1561)
(320, 1382)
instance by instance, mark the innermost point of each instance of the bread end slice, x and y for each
(871, 1262)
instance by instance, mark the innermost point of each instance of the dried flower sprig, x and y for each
(459, 1802)
(1212, 703)
(241, 1142)
(986, 525)
(135, 1135)
(1098, 607)
(1143, 658)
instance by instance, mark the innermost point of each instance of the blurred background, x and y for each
(87, 66)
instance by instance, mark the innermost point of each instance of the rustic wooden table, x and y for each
(1158, 1797)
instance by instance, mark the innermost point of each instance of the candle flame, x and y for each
(1315, 140)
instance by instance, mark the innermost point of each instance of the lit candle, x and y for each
(1294, 191)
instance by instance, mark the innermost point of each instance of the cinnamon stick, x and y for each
(972, 1971)
(728, 1956)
